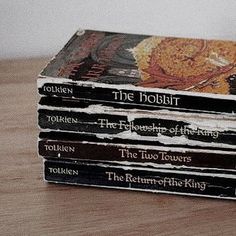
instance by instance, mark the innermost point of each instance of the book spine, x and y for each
(173, 132)
(138, 98)
(136, 154)
(140, 179)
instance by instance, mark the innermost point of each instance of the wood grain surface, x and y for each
(29, 206)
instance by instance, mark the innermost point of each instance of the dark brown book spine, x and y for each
(136, 154)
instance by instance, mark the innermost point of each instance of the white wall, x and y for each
(42, 27)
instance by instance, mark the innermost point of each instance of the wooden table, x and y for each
(29, 206)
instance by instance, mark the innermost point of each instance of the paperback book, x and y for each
(162, 129)
(81, 147)
(140, 112)
(142, 179)
(147, 72)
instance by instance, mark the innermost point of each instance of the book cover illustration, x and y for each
(197, 65)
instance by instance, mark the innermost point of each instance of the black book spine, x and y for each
(142, 98)
(136, 154)
(164, 131)
(184, 183)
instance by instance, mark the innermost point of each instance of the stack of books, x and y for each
(140, 112)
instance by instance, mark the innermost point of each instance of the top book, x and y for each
(151, 72)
